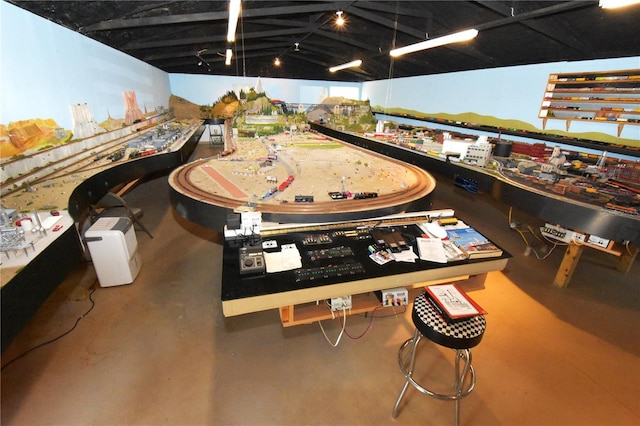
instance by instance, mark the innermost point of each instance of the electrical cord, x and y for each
(93, 304)
(367, 330)
(545, 239)
(626, 245)
(372, 320)
(344, 325)
(373, 317)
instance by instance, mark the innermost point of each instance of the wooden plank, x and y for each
(568, 265)
(308, 313)
(312, 312)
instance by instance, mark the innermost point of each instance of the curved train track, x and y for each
(181, 181)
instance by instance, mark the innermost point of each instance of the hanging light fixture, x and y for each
(440, 41)
(201, 61)
(351, 64)
(228, 55)
(277, 62)
(297, 48)
(614, 4)
(339, 19)
(234, 14)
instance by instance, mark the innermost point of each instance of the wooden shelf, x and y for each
(307, 313)
(311, 312)
(611, 97)
(626, 255)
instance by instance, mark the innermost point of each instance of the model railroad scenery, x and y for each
(58, 175)
(601, 180)
(302, 172)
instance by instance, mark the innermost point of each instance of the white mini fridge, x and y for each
(114, 250)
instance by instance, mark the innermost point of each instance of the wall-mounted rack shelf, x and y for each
(611, 97)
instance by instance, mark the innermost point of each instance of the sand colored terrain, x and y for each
(318, 164)
(25, 135)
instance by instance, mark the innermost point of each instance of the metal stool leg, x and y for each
(407, 373)
(462, 371)
(460, 377)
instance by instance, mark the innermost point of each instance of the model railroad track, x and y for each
(182, 182)
(68, 166)
(86, 161)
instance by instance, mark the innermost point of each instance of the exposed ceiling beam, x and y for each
(546, 30)
(391, 24)
(162, 44)
(191, 18)
(549, 10)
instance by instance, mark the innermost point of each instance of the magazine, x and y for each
(473, 243)
(452, 303)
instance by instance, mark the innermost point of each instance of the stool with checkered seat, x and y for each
(460, 336)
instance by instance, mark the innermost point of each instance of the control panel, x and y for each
(330, 253)
(559, 233)
(251, 260)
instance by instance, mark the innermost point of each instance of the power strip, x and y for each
(340, 303)
(559, 233)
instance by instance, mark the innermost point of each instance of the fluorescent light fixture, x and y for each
(613, 4)
(227, 59)
(234, 13)
(440, 41)
(351, 64)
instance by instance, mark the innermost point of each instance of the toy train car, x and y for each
(284, 185)
(304, 199)
(628, 210)
(363, 195)
(269, 193)
(356, 196)
(339, 195)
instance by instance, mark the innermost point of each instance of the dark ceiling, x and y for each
(171, 34)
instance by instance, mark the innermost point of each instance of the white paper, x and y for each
(431, 249)
(405, 256)
(287, 259)
(454, 302)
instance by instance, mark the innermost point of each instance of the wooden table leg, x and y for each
(286, 314)
(568, 265)
(627, 257)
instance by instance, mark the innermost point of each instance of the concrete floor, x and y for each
(159, 351)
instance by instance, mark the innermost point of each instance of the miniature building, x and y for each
(532, 150)
(455, 146)
(478, 153)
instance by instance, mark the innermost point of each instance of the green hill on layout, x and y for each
(487, 120)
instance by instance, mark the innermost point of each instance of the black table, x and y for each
(298, 299)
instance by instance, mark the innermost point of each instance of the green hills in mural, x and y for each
(487, 120)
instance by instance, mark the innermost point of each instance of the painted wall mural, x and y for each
(36, 134)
